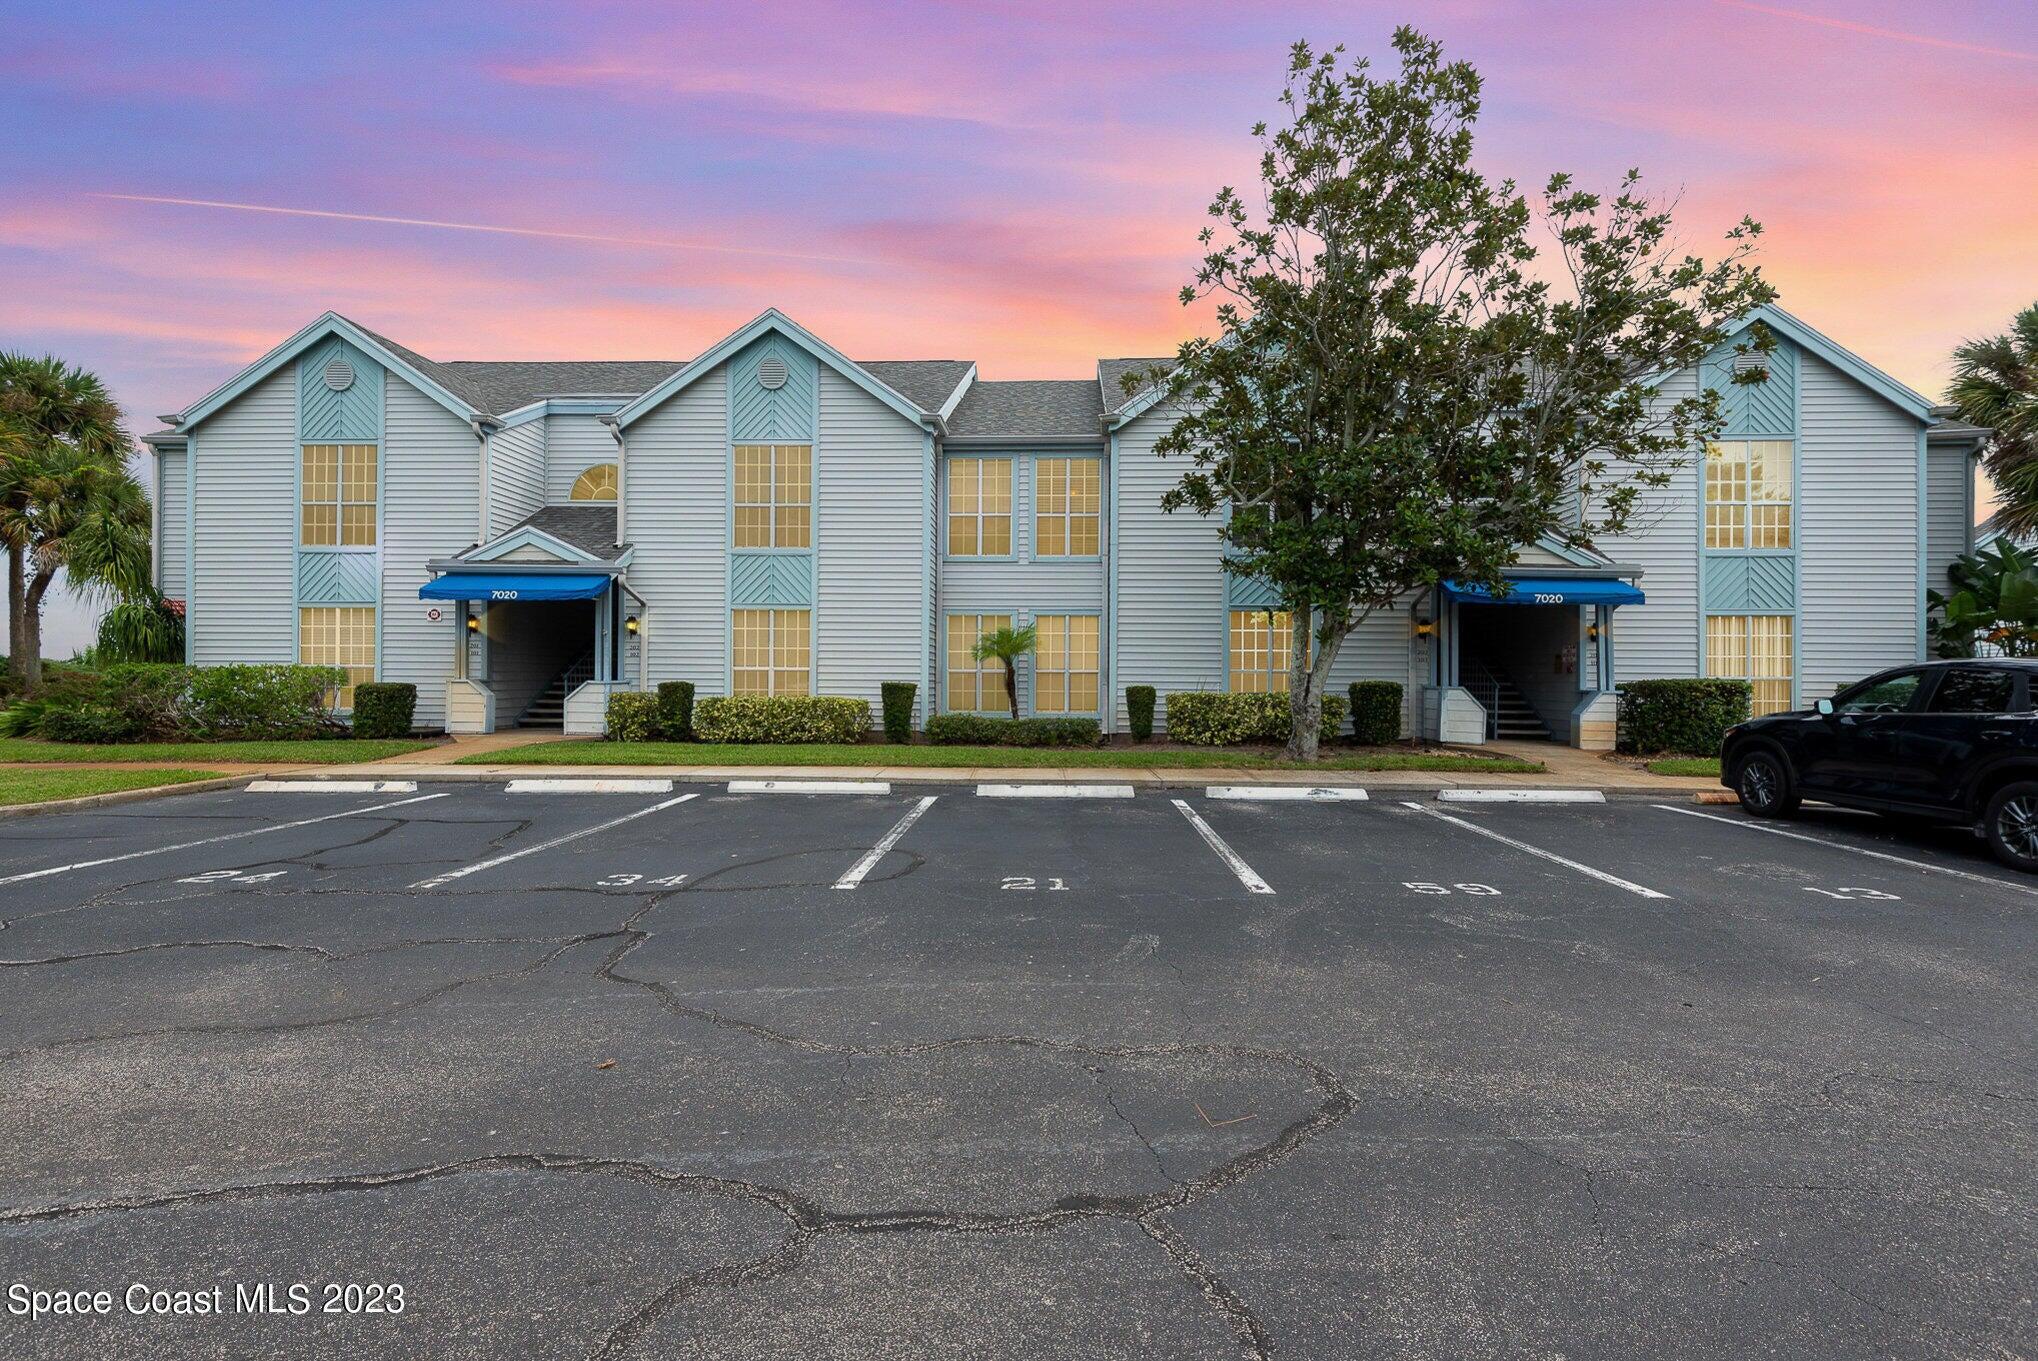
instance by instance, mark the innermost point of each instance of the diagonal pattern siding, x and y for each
(331, 578)
(352, 415)
(781, 579)
(761, 415)
(1744, 583)
(1758, 409)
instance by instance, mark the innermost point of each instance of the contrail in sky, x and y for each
(666, 243)
(1848, 25)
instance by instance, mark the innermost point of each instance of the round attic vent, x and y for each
(339, 375)
(771, 372)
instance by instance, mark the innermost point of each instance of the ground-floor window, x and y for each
(342, 636)
(974, 686)
(1755, 648)
(773, 652)
(1260, 640)
(1065, 664)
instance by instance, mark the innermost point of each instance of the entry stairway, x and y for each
(548, 710)
(1509, 717)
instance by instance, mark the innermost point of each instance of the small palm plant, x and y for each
(1007, 645)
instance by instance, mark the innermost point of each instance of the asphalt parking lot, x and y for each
(925, 1073)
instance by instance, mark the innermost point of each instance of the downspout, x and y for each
(480, 429)
(643, 635)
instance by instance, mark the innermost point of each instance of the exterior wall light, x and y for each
(630, 625)
(1425, 628)
(1592, 632)
(474, 623)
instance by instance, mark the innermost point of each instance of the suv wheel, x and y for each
(2012, 825)
(1765, 788)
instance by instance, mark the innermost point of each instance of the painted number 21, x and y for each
(1020, 883)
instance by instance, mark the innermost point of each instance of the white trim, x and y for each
(333, 787)
(530, 536)
(1054, 791)
(1284, 793)
(809, 787)
(599, 786)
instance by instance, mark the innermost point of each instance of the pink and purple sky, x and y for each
(1019, 184)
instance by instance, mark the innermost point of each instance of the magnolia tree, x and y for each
(1417, 370)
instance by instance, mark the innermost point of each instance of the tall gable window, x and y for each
(342, 636)
(1067, 504)
(1755, 648)
(773, 652)
(1748, 494)
(774, 496)
(980, 507)
(337, 496)
(596, 484)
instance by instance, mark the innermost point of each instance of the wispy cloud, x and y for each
(1875, 31)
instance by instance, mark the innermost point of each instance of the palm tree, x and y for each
(1007, 645)
(1995, 383)
(71, 511)
(44, 401)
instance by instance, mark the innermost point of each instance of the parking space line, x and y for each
(854, 875)
(333, 787)
(1538, 852)
(1968, 875)
(1054, 791)
(440, 880)
(212, 840)
(1246, 874)
(810, 787)
(1520, 796)
(1283, 792)
(555, 786)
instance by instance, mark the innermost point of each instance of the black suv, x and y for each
(1947, 741)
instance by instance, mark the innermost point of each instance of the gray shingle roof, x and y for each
(926, 383)
(1110, 379)
(1035, 408)
(590, 525)
(505, 386)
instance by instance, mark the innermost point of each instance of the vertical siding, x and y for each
(678, 491)
(573, 444)
(1170, 604)
(1662, 637)
(244, 539)
(1858, 550)
(431, 498)
(1949, 529)
(867, 587)
(173, 497)
(516, 475)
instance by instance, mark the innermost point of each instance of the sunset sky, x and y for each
(1021, 184)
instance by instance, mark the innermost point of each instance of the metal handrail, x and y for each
(1474, 676)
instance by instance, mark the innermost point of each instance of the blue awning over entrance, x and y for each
(1550, 591)
(513, 586)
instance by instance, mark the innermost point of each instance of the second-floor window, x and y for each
(596, 484)
(1748, 494)
(774, 496)
(1067, 503)
(337, 491)
(980, 507)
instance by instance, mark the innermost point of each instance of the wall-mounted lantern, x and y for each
(1425, 628)
(630, 626)
(474, 623)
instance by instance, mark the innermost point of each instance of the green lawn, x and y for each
(594, 753)
(325, 751)
(41, 786)
(1686, 765)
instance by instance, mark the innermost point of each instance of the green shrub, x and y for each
(264, 702)
(964, 730)
(1376, 712)
(384, 709)
(1139, 710)
(781, 718)
(1218, 718)
(675, 710)
(1680, 715)
(976, 730)
(23, 718)
(86, 723)
(154, 697)
(632, 717)
(898, 709)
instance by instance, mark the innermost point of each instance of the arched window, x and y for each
(596, 484)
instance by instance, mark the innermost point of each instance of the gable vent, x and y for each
(1752, 362)
(339, 375)
(771, 372)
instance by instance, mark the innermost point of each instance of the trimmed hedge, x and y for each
(976, 730)
(781, 718)
(262, 701)
(675, 710)
(1220, 718)
(1139, 711)
(168, 702)
(632, 716)
(1376, 712)
(1680, 715)
(384, 709)
(898, 709)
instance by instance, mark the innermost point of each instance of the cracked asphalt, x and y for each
(1049, 1081)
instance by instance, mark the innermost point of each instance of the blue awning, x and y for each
(513, 586)
(1550, 591)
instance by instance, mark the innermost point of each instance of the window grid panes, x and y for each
(336, 492)
(1260, 640)
(1067, 504)
(973, 686)
(1748, 494)
(1065, 664)
(1755, 648)
(980, 507)
(771, 651)
(774, 496)
(596, 484)
(342, 636)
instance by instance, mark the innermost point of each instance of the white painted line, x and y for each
(809, 787)
(1852, 850)
(1246, 874)
(1054, 791)
(1284, 792)
(333, 787)
(855, 873)
(212, 840)
(440, 880)
(589, 787)
(1539, 852)
(1520, 796)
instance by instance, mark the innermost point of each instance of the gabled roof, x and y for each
(1803, 334)
(1111, 383)
(586, 532)
(428, 377)
(1029, 409)
(502, 387)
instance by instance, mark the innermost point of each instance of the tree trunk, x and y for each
(17, 593)
(1012, 686)
(1308, 679)
(31, 631)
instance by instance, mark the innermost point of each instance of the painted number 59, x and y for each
(1475, 890)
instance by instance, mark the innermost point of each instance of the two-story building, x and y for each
(521, 540)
